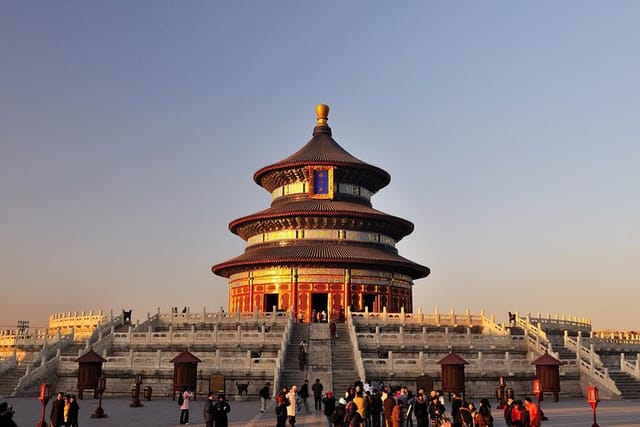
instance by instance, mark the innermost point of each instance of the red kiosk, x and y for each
(453, 374)
(548, 374)
(185, 372)
(89, 372)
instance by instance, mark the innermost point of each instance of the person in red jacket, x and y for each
(535, 420)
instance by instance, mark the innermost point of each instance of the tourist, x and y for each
(220, 410)
(208, 410)
(281, 410)
(329, 403)
(456, 403)
(464, 417)
(535, 419)
(421, 410)
(338, 416)
(317, 394)
(484, 418)
(187, 395)
(6, 415)
(292, 409)
(376, 407)
(388, 403)
(302, 359)
(304, 394)
(57, 411)
(396, 414)
(360, 402)
(333, 332)
(72, 414)
(264, 396)
(352, 416)
(436, 410)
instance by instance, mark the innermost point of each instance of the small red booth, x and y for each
(453, 374)
(185, 372)
(548, 372)
(89, 371)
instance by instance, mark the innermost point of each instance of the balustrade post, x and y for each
(377, 336)
(622, 362)
(468, 315)
(402, 316)
(159, 358)
(248, 361)
(390, 366)
(453, 317)
(447, 338)
(436, 316)
(401, 336)
(131, 358)
(480, 361)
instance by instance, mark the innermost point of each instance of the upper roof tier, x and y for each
(321, 150)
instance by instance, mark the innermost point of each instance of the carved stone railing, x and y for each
(617, 337)
(590, 364)
(355, 350)
(563, 323)
(204, 317)
(419, 318)
(41, 374)
(435, 339)
(629, 367)
(193, 336)
(281, 354)
(421, 363)
(8, 363)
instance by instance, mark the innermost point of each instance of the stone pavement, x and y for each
(164, 412)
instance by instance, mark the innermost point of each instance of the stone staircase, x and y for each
(557, 343)
(291, 373)
(9, 380)
(343, 363)
(628, 386)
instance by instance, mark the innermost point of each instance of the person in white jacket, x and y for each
(292, 409)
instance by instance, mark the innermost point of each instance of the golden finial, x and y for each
(322, 111)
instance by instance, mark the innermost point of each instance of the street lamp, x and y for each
(44, 396)
(592, 398)
(102, 385)
(135, 393)
(500, 393)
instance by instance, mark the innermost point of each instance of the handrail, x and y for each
(590, 363)
(277, 372)
(630, 368)
(357, 355)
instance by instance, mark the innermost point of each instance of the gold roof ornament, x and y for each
(322, 111)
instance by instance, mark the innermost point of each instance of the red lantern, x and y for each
(537, 389)
(593, 399)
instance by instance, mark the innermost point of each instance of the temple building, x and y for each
(321, 246)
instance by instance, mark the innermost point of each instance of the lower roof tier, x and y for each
(331, 254)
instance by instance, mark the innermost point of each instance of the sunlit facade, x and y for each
(321, 246)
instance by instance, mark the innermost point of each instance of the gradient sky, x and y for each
(130, 132)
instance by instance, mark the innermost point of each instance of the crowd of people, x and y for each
(64, 411)
(363, 405)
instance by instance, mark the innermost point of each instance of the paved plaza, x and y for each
(164, 412)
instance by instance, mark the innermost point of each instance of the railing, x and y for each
(435, 339)
(631, 368)
(590, 363)
(205, 317)
(38, 375)
(571, 323)
(357, 355)
(412, 364)
(418, 318)
(193, 337)
(8, 364)
(281, 354)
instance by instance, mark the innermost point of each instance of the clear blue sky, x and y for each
(130, 132)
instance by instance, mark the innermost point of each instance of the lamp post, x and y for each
(537, 390)
(135, 393)
(500, 393)
(44, 396)
(592, 398)
(102, 385)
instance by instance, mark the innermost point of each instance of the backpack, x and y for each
(181, 399)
